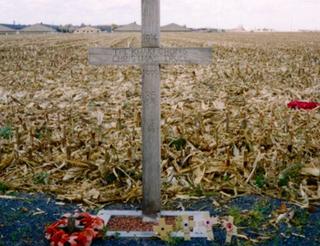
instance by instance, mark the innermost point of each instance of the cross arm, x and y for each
(140, 56)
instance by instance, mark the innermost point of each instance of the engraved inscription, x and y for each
(173, 55)
(152, 56)
(147, 38)
(120, 55)
(149, 55)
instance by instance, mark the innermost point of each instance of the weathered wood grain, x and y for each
(151, 139)
(150, 23)
(150, 56)
(123, 56)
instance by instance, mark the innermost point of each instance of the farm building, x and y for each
(132, 27)
(6, 30)
(237, 29)
(174, 28)
(263, 30)
(87, 29)
(38, 29)
(105, 28)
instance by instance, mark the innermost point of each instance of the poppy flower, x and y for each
(303, 105)
(86, 227)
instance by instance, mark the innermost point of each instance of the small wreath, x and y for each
(75, 230)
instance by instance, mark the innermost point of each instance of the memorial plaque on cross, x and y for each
(150, 56)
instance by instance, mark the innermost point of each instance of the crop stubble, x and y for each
(74, 129)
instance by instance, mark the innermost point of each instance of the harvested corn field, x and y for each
(74, 130)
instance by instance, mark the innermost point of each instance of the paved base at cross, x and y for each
(18, 225)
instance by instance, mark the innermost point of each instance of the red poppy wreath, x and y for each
(79, 229)
(303, 105)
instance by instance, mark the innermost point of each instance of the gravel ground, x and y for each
(22, 221)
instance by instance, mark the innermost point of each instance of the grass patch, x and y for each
(6, 132)
(301, 217)
(41, 178)
(42, 132)
(236, 214)
(3, 188)
(199, 191)
(254, 218)
(291, 173)
(259, 214)
(104, 232)
(178, 143)
(173, 241)
(260, 181)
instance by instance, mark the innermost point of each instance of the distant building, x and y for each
(263, 30)
(87, 29)
(208, 30)
(174, 28)
(132, 27)
(306, 30)
(238, 29)
(6, 30)
(38, 29)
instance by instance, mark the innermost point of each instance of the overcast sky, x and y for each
(277, 14)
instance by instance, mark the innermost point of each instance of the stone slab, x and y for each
(199, 231)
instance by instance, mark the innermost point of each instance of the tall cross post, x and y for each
(151, 138)
(150, 56)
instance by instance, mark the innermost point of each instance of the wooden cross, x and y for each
(150, 56)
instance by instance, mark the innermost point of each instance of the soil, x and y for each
(125, 223)
(23, 219)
